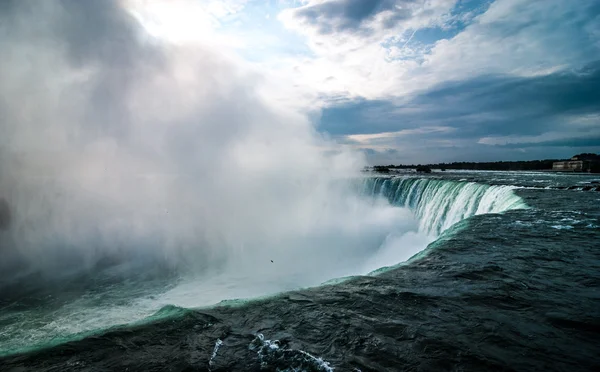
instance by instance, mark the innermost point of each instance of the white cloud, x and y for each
(352, 62)
(378, 138)
(515, 37)
(517, 139)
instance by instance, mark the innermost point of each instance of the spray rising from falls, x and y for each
(436, 205)
(439, 204)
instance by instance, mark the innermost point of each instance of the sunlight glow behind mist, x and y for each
(182, 21)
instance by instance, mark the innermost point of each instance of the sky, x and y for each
(416, 81)
(406, 81)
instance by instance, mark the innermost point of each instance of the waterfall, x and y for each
(438, 204)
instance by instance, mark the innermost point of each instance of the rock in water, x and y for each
(4, 214)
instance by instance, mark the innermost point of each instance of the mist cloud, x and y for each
(117, 144)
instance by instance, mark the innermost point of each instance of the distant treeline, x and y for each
(498, 165)
(530, 165)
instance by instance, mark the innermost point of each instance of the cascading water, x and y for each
(439, 204)
(436, 205)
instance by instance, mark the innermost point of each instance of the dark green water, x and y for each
(511, 283)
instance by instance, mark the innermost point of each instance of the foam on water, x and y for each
(272, 354)
(562, 227)
(218, 345)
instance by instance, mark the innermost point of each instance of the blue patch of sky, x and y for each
(265, 36)
(413, 44)
(464, 12)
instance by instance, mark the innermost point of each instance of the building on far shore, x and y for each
(578, 163)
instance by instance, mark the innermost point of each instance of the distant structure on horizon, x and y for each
(578, 163)
(586, 162)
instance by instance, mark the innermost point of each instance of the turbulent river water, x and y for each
(504, 275)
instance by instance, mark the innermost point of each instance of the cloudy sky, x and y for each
(418, 80)
(226, 114)
(406, 81)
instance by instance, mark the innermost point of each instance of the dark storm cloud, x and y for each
(591, 141)
(482, 106)
(498, 105)
(351, 15)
